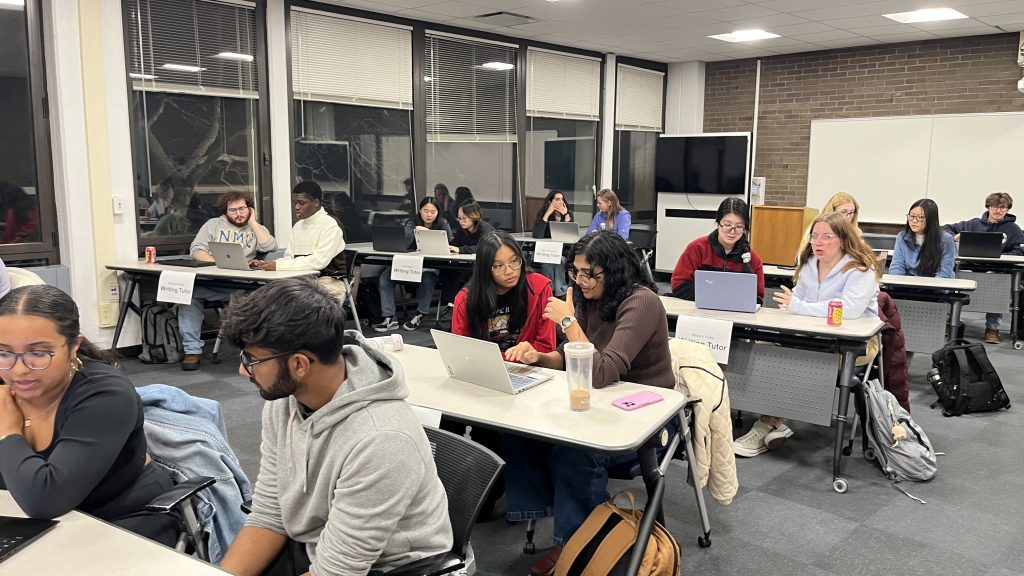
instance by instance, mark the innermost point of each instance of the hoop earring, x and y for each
(76, 364)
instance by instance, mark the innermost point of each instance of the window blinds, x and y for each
(349, 61)
(203, 47)
(471, 90)
(638, 99)
(563, 85)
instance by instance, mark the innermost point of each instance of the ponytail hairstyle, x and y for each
(737, 207)
(930, 259)
(56, 306)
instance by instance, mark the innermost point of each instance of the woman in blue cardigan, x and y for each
(923, 248)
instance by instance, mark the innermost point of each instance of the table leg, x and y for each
(705, 540)
(956, 304)
(839, 483)
(655, 482)
(1014, 309)
(125, 304)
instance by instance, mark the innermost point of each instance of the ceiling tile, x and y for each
(769, 22)
(848, 42)
(964, 23)
(471, 23)
(1004, 20)
(806, 28)
(994, 8)
(859, 22)
(795, 5)
(978, 31)
(744, 12)
(456, 9)
(404, 4)
(893, 29)
(701, 5)
(421, 15)
(906, 37)
(818, 37)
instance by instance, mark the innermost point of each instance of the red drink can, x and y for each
(835, 312)
(150, 254)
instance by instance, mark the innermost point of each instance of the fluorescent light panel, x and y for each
(497, 66)
(744, 35)
(926, 15)
(235, 56)
(182, 68)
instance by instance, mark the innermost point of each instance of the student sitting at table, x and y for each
(468, 233)
(836, 265)
(923, 248)
(996, 218)
(71, 424)
(611, 215)
(725, 250)
(554, 209)
(612, 305)
(428, 217)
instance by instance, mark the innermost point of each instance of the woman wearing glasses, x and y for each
(836, 265)
(923, 248)
(724, 250)
(71, 434)
(612, 305)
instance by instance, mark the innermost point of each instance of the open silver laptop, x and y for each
(229, 256)
(480, 362)
(564, 231)
(729, 291)
(432, 242)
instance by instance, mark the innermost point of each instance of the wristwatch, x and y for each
(566, 322)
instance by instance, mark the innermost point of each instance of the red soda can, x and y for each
(835, 312)
(150, 254)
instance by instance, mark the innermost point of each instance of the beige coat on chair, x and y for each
(713, 456)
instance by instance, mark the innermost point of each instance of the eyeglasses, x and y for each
(584, 277)
(823, 239)
(463, 218)
(1002, 208)
(248, 361)
(738, 229)
(913, 218)
(848, 213)
(514, 264)
(33, 359)
(239, 210)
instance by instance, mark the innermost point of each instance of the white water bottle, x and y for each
(390, 343)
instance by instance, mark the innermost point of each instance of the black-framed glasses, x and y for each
(248, 361)
(583, 277)
(729, 229)
(32, 359)
(239, 210)
(514, 264)
(848, 213)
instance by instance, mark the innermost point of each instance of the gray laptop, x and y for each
(729, 291)
(981, 244)
(564, 231)
(480, 362)
(432, 242)
(229, 256)
(16, 533)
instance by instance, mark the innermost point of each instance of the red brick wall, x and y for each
(958, 75)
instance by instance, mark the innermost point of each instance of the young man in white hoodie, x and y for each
(346, 470)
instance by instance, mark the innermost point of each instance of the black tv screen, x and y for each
(701, 165)
(560, 164)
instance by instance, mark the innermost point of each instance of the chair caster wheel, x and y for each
(704, 541)
(869, 454)
(530, 548)
(1017, 344)
(847, 451)
(215, 359)
(840, 485)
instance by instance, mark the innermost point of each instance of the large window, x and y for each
(639, 97)
(27, 218)
(195, 107)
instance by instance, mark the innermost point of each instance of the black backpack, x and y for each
(965, 380)
(161, 340)
(368, 302)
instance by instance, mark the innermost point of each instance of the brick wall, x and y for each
(952, 76)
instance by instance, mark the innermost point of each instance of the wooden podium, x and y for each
(777, 232)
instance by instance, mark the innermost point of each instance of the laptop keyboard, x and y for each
(519, 380)
(9, 543)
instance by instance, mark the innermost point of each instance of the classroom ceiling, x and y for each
(678, 30)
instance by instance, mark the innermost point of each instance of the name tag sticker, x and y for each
(547, 252)
(715, 334)
(406, 268)
(175, 287)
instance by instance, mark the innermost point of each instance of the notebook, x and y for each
(981, 244)
(432, 242)
(564, 231)
(389, 238)
(480, 362)
(16, 533)
(729, 291)
(229, 256)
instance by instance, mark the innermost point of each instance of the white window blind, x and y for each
(471, 90)
(346, 61)
(638, 99)
(203, 47)
(563, 85)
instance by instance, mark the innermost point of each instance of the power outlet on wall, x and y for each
(113, 294)
(108, 317)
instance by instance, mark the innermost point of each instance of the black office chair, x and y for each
(192, 538)
(642, 237)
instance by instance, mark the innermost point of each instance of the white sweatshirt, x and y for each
(313, 243)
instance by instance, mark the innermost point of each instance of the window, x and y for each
(193, 69)
(27, 214)
(639, 94)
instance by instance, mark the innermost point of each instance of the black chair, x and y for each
(643, 238)
(192, 539)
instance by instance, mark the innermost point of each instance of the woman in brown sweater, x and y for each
(611, 305)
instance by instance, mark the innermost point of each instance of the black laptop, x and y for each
(389, 239)
(16, 533)
(981, 244)
(186, 262)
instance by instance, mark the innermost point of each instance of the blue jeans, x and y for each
(556, 273)
(424, 292)
(992, 321)
(190, 318)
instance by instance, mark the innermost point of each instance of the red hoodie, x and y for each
(537, 330)
(706, 253)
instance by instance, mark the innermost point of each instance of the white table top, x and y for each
(542, 411)
(209, 271)
(1005, 258)
(84, 546)
(779, 320)
(945, 284)
(366, 249)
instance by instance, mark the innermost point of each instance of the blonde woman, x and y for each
(611, 215)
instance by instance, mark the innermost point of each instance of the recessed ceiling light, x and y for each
(744, 35)
(182, 68)
(926, 15)
(142, 76)
(13, 2)
(235, 56)
(497, 66)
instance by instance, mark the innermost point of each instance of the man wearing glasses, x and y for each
(347, 483)
(237, 223)
(997, 218)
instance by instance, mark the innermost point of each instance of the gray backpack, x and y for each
(912, 458)
(161, 340)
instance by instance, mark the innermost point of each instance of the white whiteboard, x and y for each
(888, 163)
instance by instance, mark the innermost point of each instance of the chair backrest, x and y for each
(642, 238)
(467, 470)
(21, 277)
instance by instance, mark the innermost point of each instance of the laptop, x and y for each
(728, 291)
(981, 244)
(432, 242)
(16, 533)
(186, 262)
(480, 362)
(389, 238)
(564, 231)
(229, 256)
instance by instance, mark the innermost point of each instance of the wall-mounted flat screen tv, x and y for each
(702, 164)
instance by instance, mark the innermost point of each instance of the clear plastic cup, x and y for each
(579, 366)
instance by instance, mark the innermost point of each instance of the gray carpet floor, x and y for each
(786, 518)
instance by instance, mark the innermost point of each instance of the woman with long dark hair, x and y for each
(726, 249)
(71, 435)
(555, 209)
(611, 215)
(463, 195)
(923, 248)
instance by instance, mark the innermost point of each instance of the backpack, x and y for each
(604, 543)
(368, 302)
(910, 458)
(161, 341)
(965, 381)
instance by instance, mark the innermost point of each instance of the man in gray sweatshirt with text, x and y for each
(346, 470)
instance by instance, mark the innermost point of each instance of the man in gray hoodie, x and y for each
(346, 469)
(237, 223)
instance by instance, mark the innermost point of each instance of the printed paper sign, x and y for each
(175, 287)
(715, 334)
(427, 416)
(406, 268)
(547, 252)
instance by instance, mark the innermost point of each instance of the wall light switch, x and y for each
(119, 205)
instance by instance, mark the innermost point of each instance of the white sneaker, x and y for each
(752, 443)
(413, 322)
(386, 325)
(777, 436)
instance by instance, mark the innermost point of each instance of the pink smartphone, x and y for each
(638, 400)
